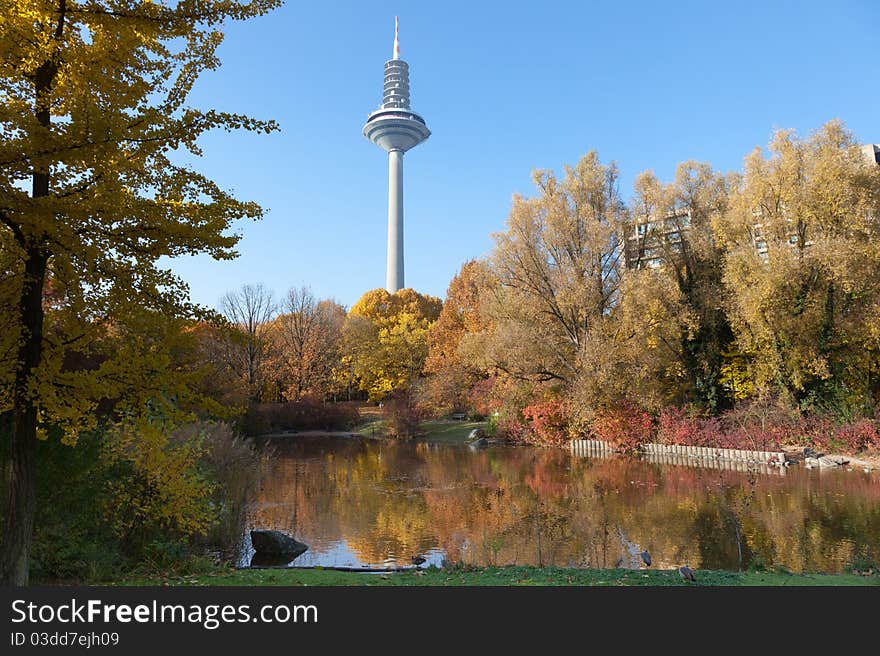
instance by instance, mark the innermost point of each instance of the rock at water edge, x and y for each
(276, 542)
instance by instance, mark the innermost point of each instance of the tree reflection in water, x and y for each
(367, 503)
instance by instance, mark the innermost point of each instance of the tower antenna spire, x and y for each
(396, 42)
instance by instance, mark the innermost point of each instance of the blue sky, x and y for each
(505, 88)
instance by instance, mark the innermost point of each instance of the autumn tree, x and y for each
(558, 269)
(95, 106)
(450, 376)
(306, 345)
(386, 339)
(248, 311)
(205, 352)
(803, 268)
(638, 353)
(675, 223)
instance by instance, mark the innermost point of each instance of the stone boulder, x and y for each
(825, 462)
(276, 543)
(476, 434)
(478, 443)
(264, 560)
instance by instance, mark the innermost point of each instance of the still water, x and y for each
(367, 503)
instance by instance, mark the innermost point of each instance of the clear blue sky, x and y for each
(505, 87)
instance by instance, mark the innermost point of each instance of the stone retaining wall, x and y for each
(732, 459)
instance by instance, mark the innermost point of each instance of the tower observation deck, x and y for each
(395, 128)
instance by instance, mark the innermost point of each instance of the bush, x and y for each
(548, 422)
(759, 425)
(234, 465)
(813, 431)
(625, 426)
(154, 486)
(510, 429)
(492, 425)
(678, 426)
(305, 414)
(71, 542)
(858, 436)
(766, 428)
(402, 414)
(141, 495)
(730, 431)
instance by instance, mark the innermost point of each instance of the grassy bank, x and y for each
(504, 576)
(439, 431)
(448, 432)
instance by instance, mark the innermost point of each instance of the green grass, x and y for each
(448, 431)
(436, 431)
(372, 428)
(501, 576)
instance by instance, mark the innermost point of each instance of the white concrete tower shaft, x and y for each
(395, 128)
(394, 270)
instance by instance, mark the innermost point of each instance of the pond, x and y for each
(371, 503)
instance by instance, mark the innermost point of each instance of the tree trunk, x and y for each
(21, 485)
(21, 499)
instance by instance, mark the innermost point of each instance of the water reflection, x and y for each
(363, 503)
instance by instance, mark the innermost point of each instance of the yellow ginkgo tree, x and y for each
(386, 339)
(93, 108)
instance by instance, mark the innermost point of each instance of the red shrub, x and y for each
(751, 437)
(680, 426)
(753, 426)
(675, 427)
(812, 431)
(822, 434)
(757, 426)
(711, 432)
(510, 429)
(548, 421)
(861, 435)
(740, 429)
(625, 426)
(402, 414)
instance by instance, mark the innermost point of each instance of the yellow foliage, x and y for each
(386, 338)
(807, 307)
(556, 268)
(94, 104)
(737, 378)
(156, 483)
(94, 121)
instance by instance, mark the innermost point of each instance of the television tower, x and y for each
(395, 128)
